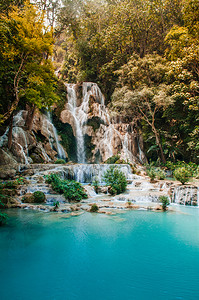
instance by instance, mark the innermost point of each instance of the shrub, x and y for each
(182, 174)
(151, 172)
(71, 189)
(56, 205)
(161, 175)
(112, 159)
(165, 202)
(94, 208)
(116, 179)
(60, 161)
(39, 197)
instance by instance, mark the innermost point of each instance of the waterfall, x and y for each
(86, 173)
(60, 150)
(80, 117)
(109, 138)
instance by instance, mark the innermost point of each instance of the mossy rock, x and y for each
(36, 197)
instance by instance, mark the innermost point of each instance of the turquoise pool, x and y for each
(133, 255)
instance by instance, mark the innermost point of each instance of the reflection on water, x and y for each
(133, 255)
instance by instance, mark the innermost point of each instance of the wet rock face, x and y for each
(85, 111)
(40, 145)
(8, 165)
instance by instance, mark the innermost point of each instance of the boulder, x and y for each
(8, 165)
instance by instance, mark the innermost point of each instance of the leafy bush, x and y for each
(161, 175)
(71, 189)
(154, 172)
(165, 202)
(39, 197)
(112, 159)
(94, 208)
(116, 179)
(151, 173)
(60, 161)
(182, 174)
(191, 167)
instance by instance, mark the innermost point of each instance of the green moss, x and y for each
(39, 197)
(94, 208)
(60, 161)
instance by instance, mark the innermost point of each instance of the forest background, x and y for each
(143, 54)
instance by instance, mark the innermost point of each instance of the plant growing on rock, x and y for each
(94, 208)
(116, 179)
(112, 160)
(165, 202)
(96, 185)
(60, 161)
(182, 174)
(56, 205)
(71, 189)
(39, 197)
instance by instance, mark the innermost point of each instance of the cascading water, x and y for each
(79, 116)
(109, 137)
(60, 150)
(186, 195)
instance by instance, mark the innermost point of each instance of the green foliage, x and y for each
(112, 160)
(94, 208)
(165, 202)
(95, 183)
(155, 172)
(182, 174)
(72, 190)
(60, 161)
(190, 167)
(161, 175)
(3, 216)
(116, 179)
(151, 172)
(39, 197)
(25, 46)
(56, 204)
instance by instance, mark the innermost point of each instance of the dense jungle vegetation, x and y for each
(144, 54)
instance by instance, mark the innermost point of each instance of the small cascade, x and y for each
(87, 173)
(186, 195)
(60, 149)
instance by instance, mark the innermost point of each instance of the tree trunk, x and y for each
(10, 132)
(159, 145)
(30, 117)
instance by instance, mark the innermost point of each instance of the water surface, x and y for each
(133, 255)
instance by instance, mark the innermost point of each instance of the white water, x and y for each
(186, 195)
(86, 173)
(60, 149)
(109, 136)
(80, 116)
